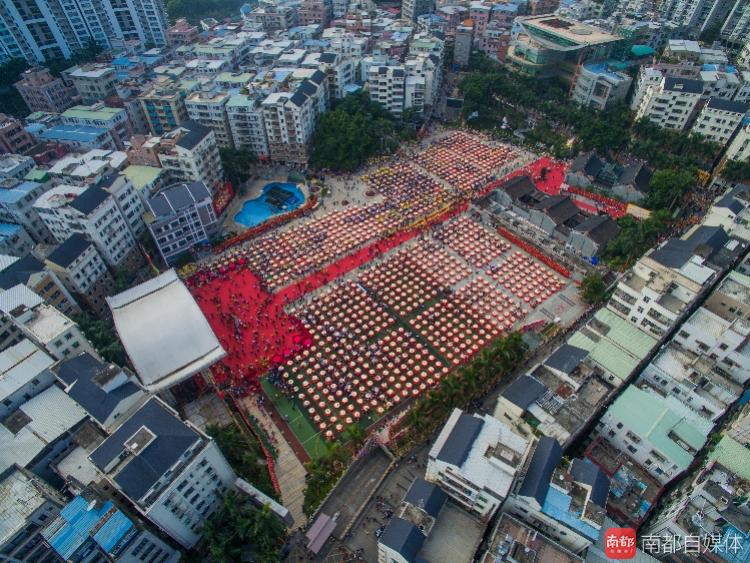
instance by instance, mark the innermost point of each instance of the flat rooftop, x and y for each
(454, 538)
(572, 32)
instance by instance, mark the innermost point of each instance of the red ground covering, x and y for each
(235, 303)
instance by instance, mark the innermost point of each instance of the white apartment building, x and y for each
(209, 109)
(115, 120)
(425, 72)
(341, 71)
(660, 286)
(92, 212)
(670, 103)
(93, 82)
(173, 473)
(16, 206)
(597, 86)
(87, 168)
(387, 85)
(83, 271)
(190, 153)
(739, 148)
(30, 317)
(47, 29)
(696, 15)
(290, 118)
(24, 373)
(15, 166)
(180, 217)
(719, 119)
(246, 124)
(127, 199)
(475, 460)
(662, 434)
(720, 84)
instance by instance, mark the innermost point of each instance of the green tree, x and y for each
(11, 101)
(668, 187)
(238, 164)
(355, 130)
(245, 456)
(635, 238)
(593, 289)
(736, 171)
(102, 335)
(196, 10)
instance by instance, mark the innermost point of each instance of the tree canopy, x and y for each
(245, 456)
(736, 171)
(196, 10)
(237, 164)
(593, 289)
(102, 335)
(355, 130)
(239, 529)
(635, 238)
(668, 187)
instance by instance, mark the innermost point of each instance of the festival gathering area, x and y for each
(342, 316)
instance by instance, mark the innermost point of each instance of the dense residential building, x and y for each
(27, 316)
(463, 42)
(290, 118)
(657, 291)
(93, 82)
(180, 217)
(210, 110)
(107, 392)
(273, 17)
(80, 267)
(128, 201)
(27, 504)
(513, 540)
(51, 29)
(190, 153)
(314, 12)
(164, 107)
(87, 168)
(739, 147)
(43, 92)
(87, 527)
(566, 500)
(14, 240)
(24, 374)
(246, 124)
(172, 473)
(16, 206)
(661, 434)
(114, 120)
(719, 119)
(30, 440)
(94, 213)
(475, 460)
(670, 103)
(387, 85)
(182, 33)
(412, 9)
(599, 86)
(13, 137)
(15, 166)
(32, 273)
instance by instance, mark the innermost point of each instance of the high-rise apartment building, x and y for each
(42, 29)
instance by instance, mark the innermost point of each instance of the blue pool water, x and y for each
(275, 199)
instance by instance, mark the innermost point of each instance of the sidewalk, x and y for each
(289, 470)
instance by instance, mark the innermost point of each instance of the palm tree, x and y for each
(357, 436)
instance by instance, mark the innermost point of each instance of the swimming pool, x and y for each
(275, 199)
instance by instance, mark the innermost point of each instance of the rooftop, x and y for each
(151, 320)
(35, 425)
(97, 112)
(20, 364)
(20, 497)
(148, 444)
(566, 32)
(141, 176)
(518, 542)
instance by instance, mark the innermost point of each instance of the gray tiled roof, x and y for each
(426, 496)
(403, 537)
(524, 391)
(547, 455)
(173, 438)
(457, 446)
